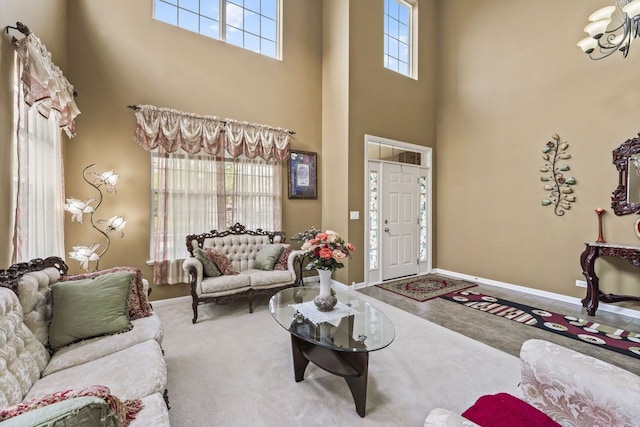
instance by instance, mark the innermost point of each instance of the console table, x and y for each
(592, 252)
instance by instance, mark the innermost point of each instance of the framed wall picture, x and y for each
(302, 175)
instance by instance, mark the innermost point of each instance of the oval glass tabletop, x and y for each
(352, 326)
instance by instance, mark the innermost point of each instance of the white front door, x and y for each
(399, 221)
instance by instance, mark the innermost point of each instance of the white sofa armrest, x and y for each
(444, 418)
(576, 389)
(193, 262)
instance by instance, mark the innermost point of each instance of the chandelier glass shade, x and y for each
(612, 29)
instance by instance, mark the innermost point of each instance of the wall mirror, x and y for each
(626, 197)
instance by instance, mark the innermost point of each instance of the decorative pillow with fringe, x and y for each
(125, 411)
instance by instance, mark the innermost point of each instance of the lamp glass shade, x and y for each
(632, 9)
(588, 44)
(604, 13)
(597, 28)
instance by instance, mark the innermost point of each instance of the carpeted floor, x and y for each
(233, 368)
(618, 340)
(425, 287)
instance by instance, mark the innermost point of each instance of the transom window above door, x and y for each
(250, 24)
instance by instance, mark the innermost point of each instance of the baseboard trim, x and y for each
(171, 301)
(546, 294)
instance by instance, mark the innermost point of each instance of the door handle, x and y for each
(386, 229)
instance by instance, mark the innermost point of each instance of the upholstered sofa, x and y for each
(99, 380)
(241, 248)
(571, 388)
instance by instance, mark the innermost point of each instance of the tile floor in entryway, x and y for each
(507, 335)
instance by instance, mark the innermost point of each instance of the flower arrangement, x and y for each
(325, 250)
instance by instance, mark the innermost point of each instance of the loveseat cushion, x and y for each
(221, 261)
(209, 267)
(86, 411)
(51, 410)
(225, 283)
(261, 278)
(505, 410)
(137, 304)
(89, 308)
(132, 373)
(283, 259)
(146, 328)
(267, 256)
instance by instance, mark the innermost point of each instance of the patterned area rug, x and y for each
(425, 287)
(618, 340)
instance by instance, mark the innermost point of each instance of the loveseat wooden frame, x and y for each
(250, 293)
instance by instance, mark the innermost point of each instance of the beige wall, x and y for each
(119, 56)
(511, 76)
(381, 103)
(45, 19)
(503, 88)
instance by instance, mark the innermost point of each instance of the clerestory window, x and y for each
(251, 24)
(399, 28)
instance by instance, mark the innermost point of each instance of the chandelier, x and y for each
(612, 28)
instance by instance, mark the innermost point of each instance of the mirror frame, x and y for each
(621, 155)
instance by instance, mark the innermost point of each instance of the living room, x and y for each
(496, 80)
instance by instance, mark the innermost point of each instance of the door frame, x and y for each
(372, 277)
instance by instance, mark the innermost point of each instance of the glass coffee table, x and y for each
(338, 341)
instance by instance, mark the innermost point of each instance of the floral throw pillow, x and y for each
(281, 263)
(223, 263)
(138, 304)
(125, 411)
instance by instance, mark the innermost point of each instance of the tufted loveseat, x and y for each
(241, 247)
(126, 367)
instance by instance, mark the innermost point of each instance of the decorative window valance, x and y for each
(172, 129)
(44, 85)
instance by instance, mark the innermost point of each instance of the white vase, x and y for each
(325, 301)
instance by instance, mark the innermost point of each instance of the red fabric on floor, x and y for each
(504, 410)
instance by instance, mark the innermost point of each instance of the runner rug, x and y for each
(618, 340)
(425, 287)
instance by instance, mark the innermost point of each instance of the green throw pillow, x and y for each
(268, 255)
(89, 308)
(209, 268)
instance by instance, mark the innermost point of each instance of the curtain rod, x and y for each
(19, 27)
(136, 108)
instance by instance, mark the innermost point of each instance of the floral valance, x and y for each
(172, 129)
(44, 85)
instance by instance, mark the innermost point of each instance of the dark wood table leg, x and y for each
(353, 367)
(300, 362)
(358, 384)
(588, 261)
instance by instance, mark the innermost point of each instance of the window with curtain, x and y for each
(197, 193)
(43, 107)
(207, 174)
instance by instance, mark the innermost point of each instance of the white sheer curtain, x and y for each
(188, 197)
(256, 199)
(207, 174)
(38, 185)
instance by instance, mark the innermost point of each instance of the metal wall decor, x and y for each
(560, 188)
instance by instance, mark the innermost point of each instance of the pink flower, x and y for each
(314, 241)
(350, 247)
(325, 253)
(322, 236)
(338, 255)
